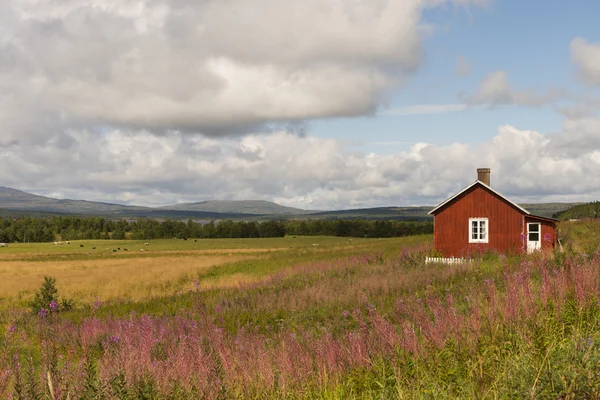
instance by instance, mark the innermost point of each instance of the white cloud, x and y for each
(495, 90)
(586, 56)
(309, 172)
(217, 67)
(586, 107)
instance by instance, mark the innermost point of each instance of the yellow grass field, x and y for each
(126, 278)
(86, 271)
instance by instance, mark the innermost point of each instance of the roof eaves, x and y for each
(543, 218)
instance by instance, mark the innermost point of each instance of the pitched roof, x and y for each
(488, 188)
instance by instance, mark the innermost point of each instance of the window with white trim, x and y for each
(478, 230)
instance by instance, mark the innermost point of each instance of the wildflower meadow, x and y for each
(375, 323)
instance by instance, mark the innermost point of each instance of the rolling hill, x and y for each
(18, 203)
(12, 199)
(579, 211)
(256, 207)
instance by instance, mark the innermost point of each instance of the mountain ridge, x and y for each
(259, 207)
(16, 202)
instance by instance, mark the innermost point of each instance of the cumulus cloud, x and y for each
(495, 90)
(137, 167)
(85, 85)
(213, 67)
(586, 56)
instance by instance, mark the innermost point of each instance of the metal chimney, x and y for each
(483, 175)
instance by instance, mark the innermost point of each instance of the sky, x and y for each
(315, 104)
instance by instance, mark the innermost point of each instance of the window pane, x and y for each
(534, 227)
(534, 236)
(478, 230)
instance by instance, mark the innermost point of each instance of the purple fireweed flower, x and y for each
(113, 339)
(345, 313)
(12, 329)
(43, 313)
(96, 305)
(218, 309)
(53, 306)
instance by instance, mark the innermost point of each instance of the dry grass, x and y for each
(165, 267)
(112, 278)
(104, 253)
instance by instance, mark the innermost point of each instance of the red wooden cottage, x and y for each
(479, 219)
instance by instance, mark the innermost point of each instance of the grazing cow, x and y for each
(94, 248)
(114, 251)
(184, 239)
(118, 248)
(3, 244)
(142, 249)
(125, 248)
(195, 240)
(68, 242)
(57, 243)
(80, 245)
(146, 244)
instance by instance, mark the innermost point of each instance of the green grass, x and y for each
(284, 249)
(339, 289)
(190, 244)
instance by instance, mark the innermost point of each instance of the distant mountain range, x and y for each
(18, 203)
(15, 202)
(257, 207)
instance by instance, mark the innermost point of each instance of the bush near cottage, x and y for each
(380, 324)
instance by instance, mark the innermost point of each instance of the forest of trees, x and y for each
(587, 210)
(30, 229)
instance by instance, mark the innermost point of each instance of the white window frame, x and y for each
(482, 238)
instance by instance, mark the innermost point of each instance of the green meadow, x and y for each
(299, 318)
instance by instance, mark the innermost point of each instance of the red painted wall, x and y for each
(451, 224)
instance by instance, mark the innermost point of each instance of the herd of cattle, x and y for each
(93, 248)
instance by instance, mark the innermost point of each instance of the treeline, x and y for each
(30, 229)
(587, 210)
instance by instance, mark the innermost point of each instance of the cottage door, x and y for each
(534, 240)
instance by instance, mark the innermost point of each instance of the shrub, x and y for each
(47, 294)
(46, 298)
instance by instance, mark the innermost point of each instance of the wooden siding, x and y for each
(505, 224)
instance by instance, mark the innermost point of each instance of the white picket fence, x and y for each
(447, 260)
